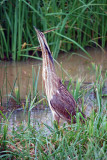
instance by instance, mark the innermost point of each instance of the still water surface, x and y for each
(76, 67)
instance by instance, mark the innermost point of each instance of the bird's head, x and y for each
(41, 38)
(43, 44)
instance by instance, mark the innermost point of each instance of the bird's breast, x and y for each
(50, 82)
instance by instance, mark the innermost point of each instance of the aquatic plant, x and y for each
(78, 24)
(12, 91)
(74, 141)
(35, 81)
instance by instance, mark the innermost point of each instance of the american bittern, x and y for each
(61, 102)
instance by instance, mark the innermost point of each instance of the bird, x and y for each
(61, 102)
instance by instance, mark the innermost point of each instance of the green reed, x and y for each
(35, 81)
(78, 24)
(12, 91)
(73, 141)
(4, 87)
(4, 129)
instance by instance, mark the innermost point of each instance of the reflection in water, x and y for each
(36, 116)
(20, 74)
(75, 66)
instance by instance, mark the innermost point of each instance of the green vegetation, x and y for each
(12, 91)
(74, 141)
(74, 25)
(78, 24)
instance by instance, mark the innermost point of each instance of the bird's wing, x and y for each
(63, 103)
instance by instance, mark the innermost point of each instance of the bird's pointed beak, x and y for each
(43, 44)
(42, 41)
(37, 31)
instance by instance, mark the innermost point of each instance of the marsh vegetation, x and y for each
(42, 141)
(74, 25)
(78, 24)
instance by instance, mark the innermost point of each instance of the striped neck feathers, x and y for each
(48, 60)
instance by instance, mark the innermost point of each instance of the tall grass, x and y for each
(75, 141)
(78, 24)
(11, 91)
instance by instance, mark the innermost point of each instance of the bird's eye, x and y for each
(41, 34)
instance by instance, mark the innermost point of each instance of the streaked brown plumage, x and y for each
(61, 102)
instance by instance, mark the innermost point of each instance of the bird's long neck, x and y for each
(48, 64)
(49, 76)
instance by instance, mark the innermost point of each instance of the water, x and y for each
(36, 117)
(77, 67)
